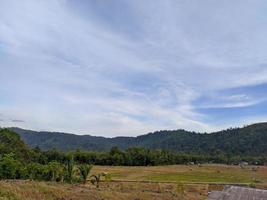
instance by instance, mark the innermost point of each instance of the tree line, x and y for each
(138, 156)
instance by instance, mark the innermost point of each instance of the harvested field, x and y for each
(141, 183)
(184, 173)
(31, 190)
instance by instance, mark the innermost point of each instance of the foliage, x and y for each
(56, 171)
(84, 171)
(95, 179)
(37, 171)
(69, 169)
(10, 142)
(11, 168)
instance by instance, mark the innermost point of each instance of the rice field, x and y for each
(188, 174)
(140, 183)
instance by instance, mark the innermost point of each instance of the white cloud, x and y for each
(69, 70)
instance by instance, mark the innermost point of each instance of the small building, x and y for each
(243, 164)
(238, 193)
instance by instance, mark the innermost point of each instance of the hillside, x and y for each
(249, 140)
(65, 141)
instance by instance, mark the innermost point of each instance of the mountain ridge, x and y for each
(251, 140)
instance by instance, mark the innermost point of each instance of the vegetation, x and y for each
(84, 171)
(137, 156)
(10, 168)
(21, 162)
(17, 161)
(95, 179)
(70, 169)
(211, 173)
(10, 142)
(133, 156)
(32, 190)
(250, 140)
(140, 182)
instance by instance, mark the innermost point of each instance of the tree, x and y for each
(10, 142)
(84, 171)
(114, 150)
(10, 168)
(56, 171)
(69, 169)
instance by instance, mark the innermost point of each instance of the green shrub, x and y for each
(37, 171)
(84, 171)
(10, 168)
(95, 179)
(56, 171)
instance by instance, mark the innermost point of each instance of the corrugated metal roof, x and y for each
(238, 193)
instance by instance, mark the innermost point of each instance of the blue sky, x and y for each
(126, 67)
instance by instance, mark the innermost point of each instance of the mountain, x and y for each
(65, 141)
(249, 140)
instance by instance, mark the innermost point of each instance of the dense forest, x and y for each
(250, 140)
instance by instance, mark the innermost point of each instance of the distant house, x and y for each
(238, 193)
(243, 164)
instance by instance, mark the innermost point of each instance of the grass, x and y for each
(31, 190)
(196, 177)
(182, 184)
(183, 173)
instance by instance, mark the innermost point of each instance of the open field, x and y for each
(184, 173)
(140, 183)
(31, 190)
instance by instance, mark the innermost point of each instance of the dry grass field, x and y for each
(140, 183)
(31, 190)
(188, 174)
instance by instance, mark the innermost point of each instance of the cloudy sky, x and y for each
(124, 67)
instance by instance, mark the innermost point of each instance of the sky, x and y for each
(126, 68)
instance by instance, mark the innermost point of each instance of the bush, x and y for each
(37, 171)
(11, 168)
(56, 171)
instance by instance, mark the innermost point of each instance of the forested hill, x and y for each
(250, 140)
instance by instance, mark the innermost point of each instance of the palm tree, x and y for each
(70, 166)
(84, 171)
